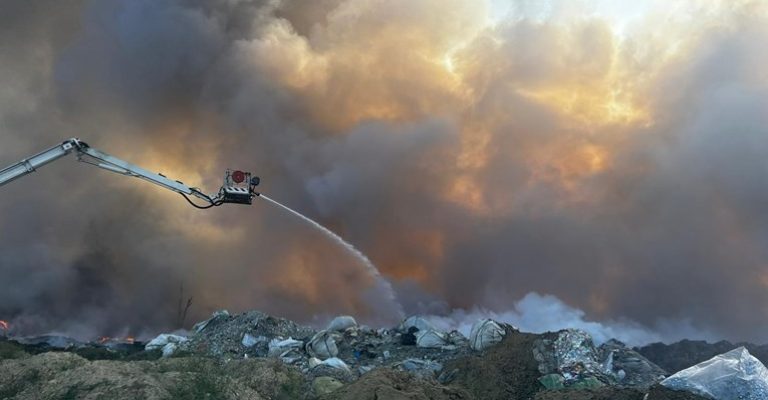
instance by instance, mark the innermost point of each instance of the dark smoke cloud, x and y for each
(618, 167)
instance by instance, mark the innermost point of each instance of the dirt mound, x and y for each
(591, 394)
(69, 376)
(659, 392)
(505, 371)
(607, 393)
(387, 384)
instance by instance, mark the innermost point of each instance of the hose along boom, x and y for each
(239, 187)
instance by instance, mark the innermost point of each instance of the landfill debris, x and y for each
(365, 369)
(322, 345)
(223, 334)
(342, 323)
(576, 355)
(485, 333)
(735, 375)
(431, 339)
(167, 343)
(288, 350)
(421, 368)
(250, 340)
(217, 315)
(328, 361)
(335, 368)
(418, 322)
(627, 367)
(334, 362)
(573, 357)
(52, 341)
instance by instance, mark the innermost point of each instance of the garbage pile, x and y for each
(344, 350)
(167, 343)
(252, 334)
(735, 375)
(572, 360)
(52, 342)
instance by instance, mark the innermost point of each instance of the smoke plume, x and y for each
(611, 158)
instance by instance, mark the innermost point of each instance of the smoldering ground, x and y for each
(612, 158)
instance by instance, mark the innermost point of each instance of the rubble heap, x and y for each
(246, 334)
(343, 351)
(572, 360)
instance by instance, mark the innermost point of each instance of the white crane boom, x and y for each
(238, 186)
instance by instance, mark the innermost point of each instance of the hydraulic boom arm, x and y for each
(238, 186)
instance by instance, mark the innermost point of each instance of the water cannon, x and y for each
(239, 187)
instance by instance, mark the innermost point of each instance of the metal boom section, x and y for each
(231, 192)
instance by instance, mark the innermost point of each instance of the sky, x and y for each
(597, 161)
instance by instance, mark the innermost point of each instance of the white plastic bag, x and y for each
(485, 333)
(322, 346)
(342, 323)
(417, 322)
(735, 375)
(164, 339)
(430, 339)
(279, 348)
(250, 340)
(337, 363)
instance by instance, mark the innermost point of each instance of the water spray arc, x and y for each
(370, 267)
(238, 188)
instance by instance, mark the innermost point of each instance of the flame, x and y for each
(109, 339)
(4, 325)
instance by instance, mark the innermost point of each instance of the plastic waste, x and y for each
(279, 348)
(421, 368)
(628, 367)
(417, 322)
(485, 333)
(217, 315)
(342, 323)
(735, 375)
(167, 343)
(576, 355)
(250, 341)
(163, 339)
(322, 345)
(337, 363)
(169, 349)
(431, 339)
